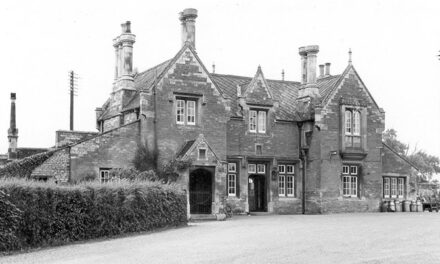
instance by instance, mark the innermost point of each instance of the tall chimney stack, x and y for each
(12, 131)
(188, 19)
(123, 45)
(308, 67)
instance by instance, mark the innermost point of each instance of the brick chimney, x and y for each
(12, 131)
(188, 19)
(309, 87)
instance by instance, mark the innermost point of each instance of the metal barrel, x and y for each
(398, 206)
(406, 206)
(413, 206)
(392, 206)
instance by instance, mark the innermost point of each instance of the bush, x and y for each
(10, 217)
(23, 168)
(54, 214)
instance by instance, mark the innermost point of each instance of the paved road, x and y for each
(340, 238)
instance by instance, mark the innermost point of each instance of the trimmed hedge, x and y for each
(54, 214)
(23, 168)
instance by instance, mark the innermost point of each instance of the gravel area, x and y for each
(338, 238)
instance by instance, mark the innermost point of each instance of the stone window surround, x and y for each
(347, 152)
(259, 129)
(232, 173)
(284, 173)
(197, 98)
(397, 176)
(350, 172)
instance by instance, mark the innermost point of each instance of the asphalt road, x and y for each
(339, 238)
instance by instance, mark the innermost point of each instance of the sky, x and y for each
(394, 43)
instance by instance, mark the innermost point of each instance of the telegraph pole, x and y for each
(73, 88)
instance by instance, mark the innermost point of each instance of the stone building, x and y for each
(257, 144)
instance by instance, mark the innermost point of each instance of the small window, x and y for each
(257, 121)
(232, 184)
(252, 168)
(186, 111)
(393, 187)
(286, 181)
(400, 187)
(289, 185)
(353, 170)
(352, 137)
(104, 175)
(386, 187)
(202, 154)
(258, 149)
(281, 168)
(261, 122)
(290, 169)
(180, 112)
(281, 185)
(261, 168)
(349, 181)
(253, 121)
(232, 167)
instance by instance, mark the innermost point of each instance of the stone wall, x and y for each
(112, 149)
(395, 165)
(324, 174)
(64, 137)
(54, 168)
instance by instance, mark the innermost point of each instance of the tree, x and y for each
(390, 138)
(427, 164)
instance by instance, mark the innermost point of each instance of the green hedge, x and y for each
(23, 168)
(53, 214)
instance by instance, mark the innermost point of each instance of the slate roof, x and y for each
(142, 81)
(185, 148)
(285, 92)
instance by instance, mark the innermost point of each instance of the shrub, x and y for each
(23, 168)
(54, 214)
(10, 217)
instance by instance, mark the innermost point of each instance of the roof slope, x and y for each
(285, 92)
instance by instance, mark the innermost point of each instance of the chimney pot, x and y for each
(13, 96)
(321, 70)
(327, 69)
(126, 27)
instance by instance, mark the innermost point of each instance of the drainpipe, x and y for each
(303, 163)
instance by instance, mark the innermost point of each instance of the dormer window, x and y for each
(352, 129)
(257, 121)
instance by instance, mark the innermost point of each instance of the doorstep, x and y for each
(202, 217)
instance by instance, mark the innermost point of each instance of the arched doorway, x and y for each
(200, 191)
(257, 193)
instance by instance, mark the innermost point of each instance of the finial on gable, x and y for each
(349, 56)
(282, 75)
(213, 67)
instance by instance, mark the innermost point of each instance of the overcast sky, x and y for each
(395, 46)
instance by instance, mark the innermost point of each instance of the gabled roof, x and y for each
(285, 92)
(146, 80)
(258, 90)
(142, 81)
(189, 147)
(332, 87)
